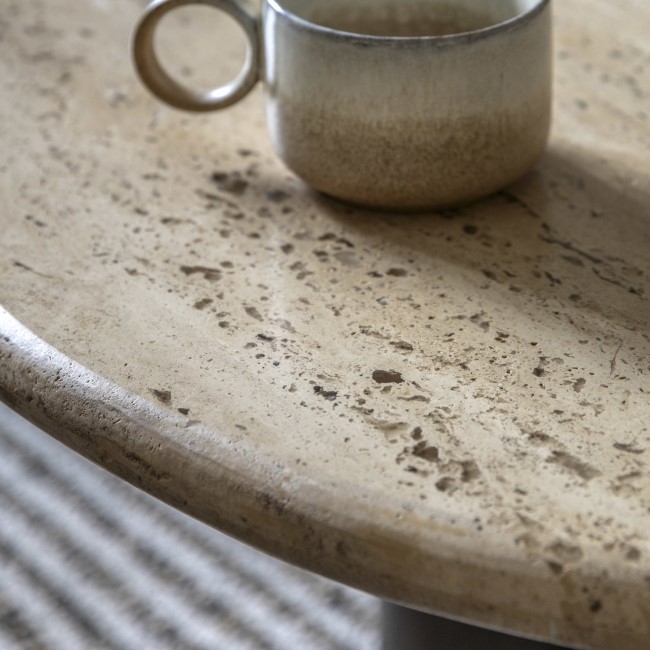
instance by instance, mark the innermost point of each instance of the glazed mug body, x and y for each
(399, 104)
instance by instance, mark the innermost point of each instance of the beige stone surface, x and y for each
(450, 410)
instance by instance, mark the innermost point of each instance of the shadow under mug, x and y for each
(398, 104)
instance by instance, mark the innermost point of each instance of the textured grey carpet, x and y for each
(89, 563)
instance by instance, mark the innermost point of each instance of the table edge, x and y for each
(123, 433)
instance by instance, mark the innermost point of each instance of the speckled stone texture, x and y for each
(449, 410)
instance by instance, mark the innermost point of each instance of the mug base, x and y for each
(414, 186)
(425, 206)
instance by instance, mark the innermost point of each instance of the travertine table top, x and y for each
(448, 410)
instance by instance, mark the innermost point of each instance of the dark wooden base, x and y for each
(407, 629)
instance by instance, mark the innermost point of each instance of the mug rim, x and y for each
(460, 37)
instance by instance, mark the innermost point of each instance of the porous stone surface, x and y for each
(449, 410)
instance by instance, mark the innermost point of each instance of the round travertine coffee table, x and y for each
(450, 411)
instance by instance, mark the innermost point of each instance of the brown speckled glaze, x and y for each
(448, 409)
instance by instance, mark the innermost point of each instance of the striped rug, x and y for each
(89, 563)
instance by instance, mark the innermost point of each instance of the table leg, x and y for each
(407, 629)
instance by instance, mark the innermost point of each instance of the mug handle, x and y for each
(154, 76)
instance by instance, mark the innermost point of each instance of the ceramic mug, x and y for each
(400, 104)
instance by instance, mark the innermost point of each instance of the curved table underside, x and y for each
(449, 410)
